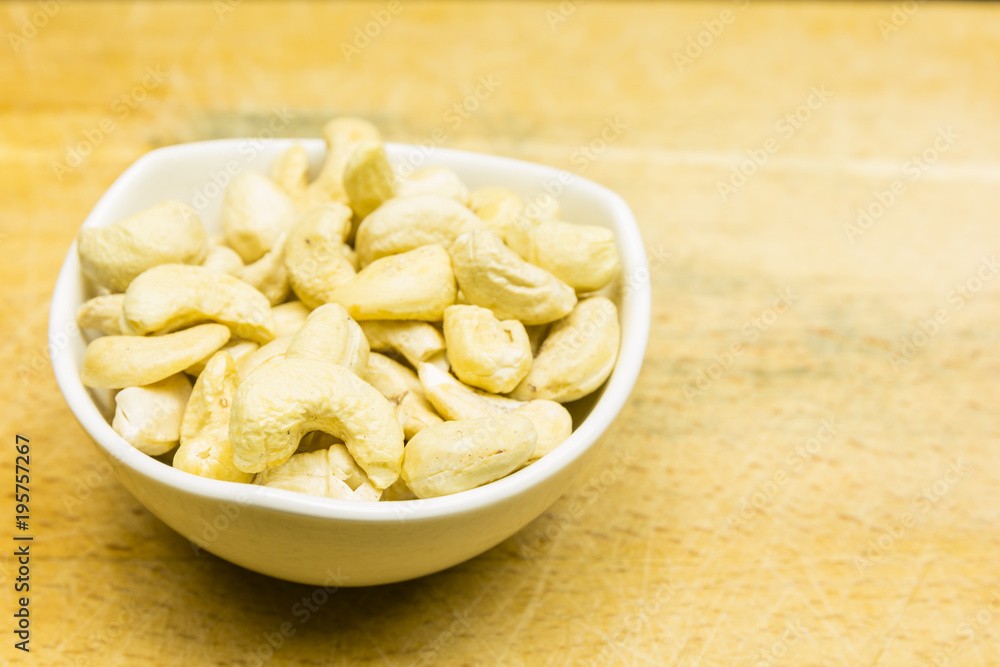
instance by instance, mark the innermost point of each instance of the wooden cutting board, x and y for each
(807, 471)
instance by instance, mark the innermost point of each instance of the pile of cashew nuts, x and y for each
(360, 336)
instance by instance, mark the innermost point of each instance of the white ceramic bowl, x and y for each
(333, 542)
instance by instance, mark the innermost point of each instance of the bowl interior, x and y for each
(198, 174)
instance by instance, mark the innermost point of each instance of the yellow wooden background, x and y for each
(803, 482)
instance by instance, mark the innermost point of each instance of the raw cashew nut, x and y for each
(255, 213)
(578, 355)
(411, 222)
(460, 455)
(327, 473)
(115, 362)
(149, 417)
(342, 135)
(543, 208)
(290, 171)
(289, 318)
(314, 256)
(169, 232)
(493, 276)
(552, 423)
(330, 334)
(223, 258)
(205, 448)
(368, 178)
(275, 348)
(414, 285)
(286, 398)
(439, 181)
(238, 349)
(400, 385)
(173, 296)
(103, 313)
(502, 210)
(485, 352)
(268, 274)
(585, 257)
(416, 341)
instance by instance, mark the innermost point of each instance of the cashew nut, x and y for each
(439, 181)
(414, 285)
(501, 209)
(314, 256)
(169, 232)
(289, 317)
(285, 398)
(416, 341)
(485, 352)
(577, 356)
(411, 222)
(400, 385)
(268, 274)
(585, 257)
(255, 212)
(205, 448)
(103, 313)
(290, 171)
(238, 349)
(342, 135)
(460, 455)
(493, 276)
(327, 473)
(543, 208)
(329, 334)
(223, 258)
(115, 362)
(553, 424)
(368, 178)
(171, 296)
(149, 417)
(275, 348)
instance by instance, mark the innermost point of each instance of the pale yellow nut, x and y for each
(255, 213)
(103, 313)
(368, 178)
(493, 276)
(543, 208)
(205, 448)
(460, 455)
(414, 285)
(417, 342)
(115, 362)
(327, 473)
(553, 424)
(501, 209)
(290, 170)
(411, 222)
(400, 385)
(268, 274)
(314, 256)
(236, 348)
(330, 334)
(577, 356)
(585, 257)
(439, 181)
(289, 317)
(169, 232)
(149, 417)
(284, 399)
(222, 258)
(172, 296)
(276, 348)
(484, 351)
(342, 135)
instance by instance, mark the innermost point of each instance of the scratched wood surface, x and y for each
(807, 471)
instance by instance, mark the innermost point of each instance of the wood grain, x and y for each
(750, 508)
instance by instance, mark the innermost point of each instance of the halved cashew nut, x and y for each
(416, 341)
(460, 455)
(238, 349)
(149, 417)
(275, 348)
(115, 362)
(173, 296)
(577, 356)
(313, 253)
(368, 178)
(485, 352)
(414, 285)
(289, 317)
(255, 213)
(169, 232)
(327, 473)
(585, 257)
(411, 222)
(103, 313)
(329, 334)
(205, 448)
(439, 181)
(222, 258)
(286, 398)
(400, 385)
(493, 276)
(268, 274)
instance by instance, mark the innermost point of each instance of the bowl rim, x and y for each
(619, 386)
